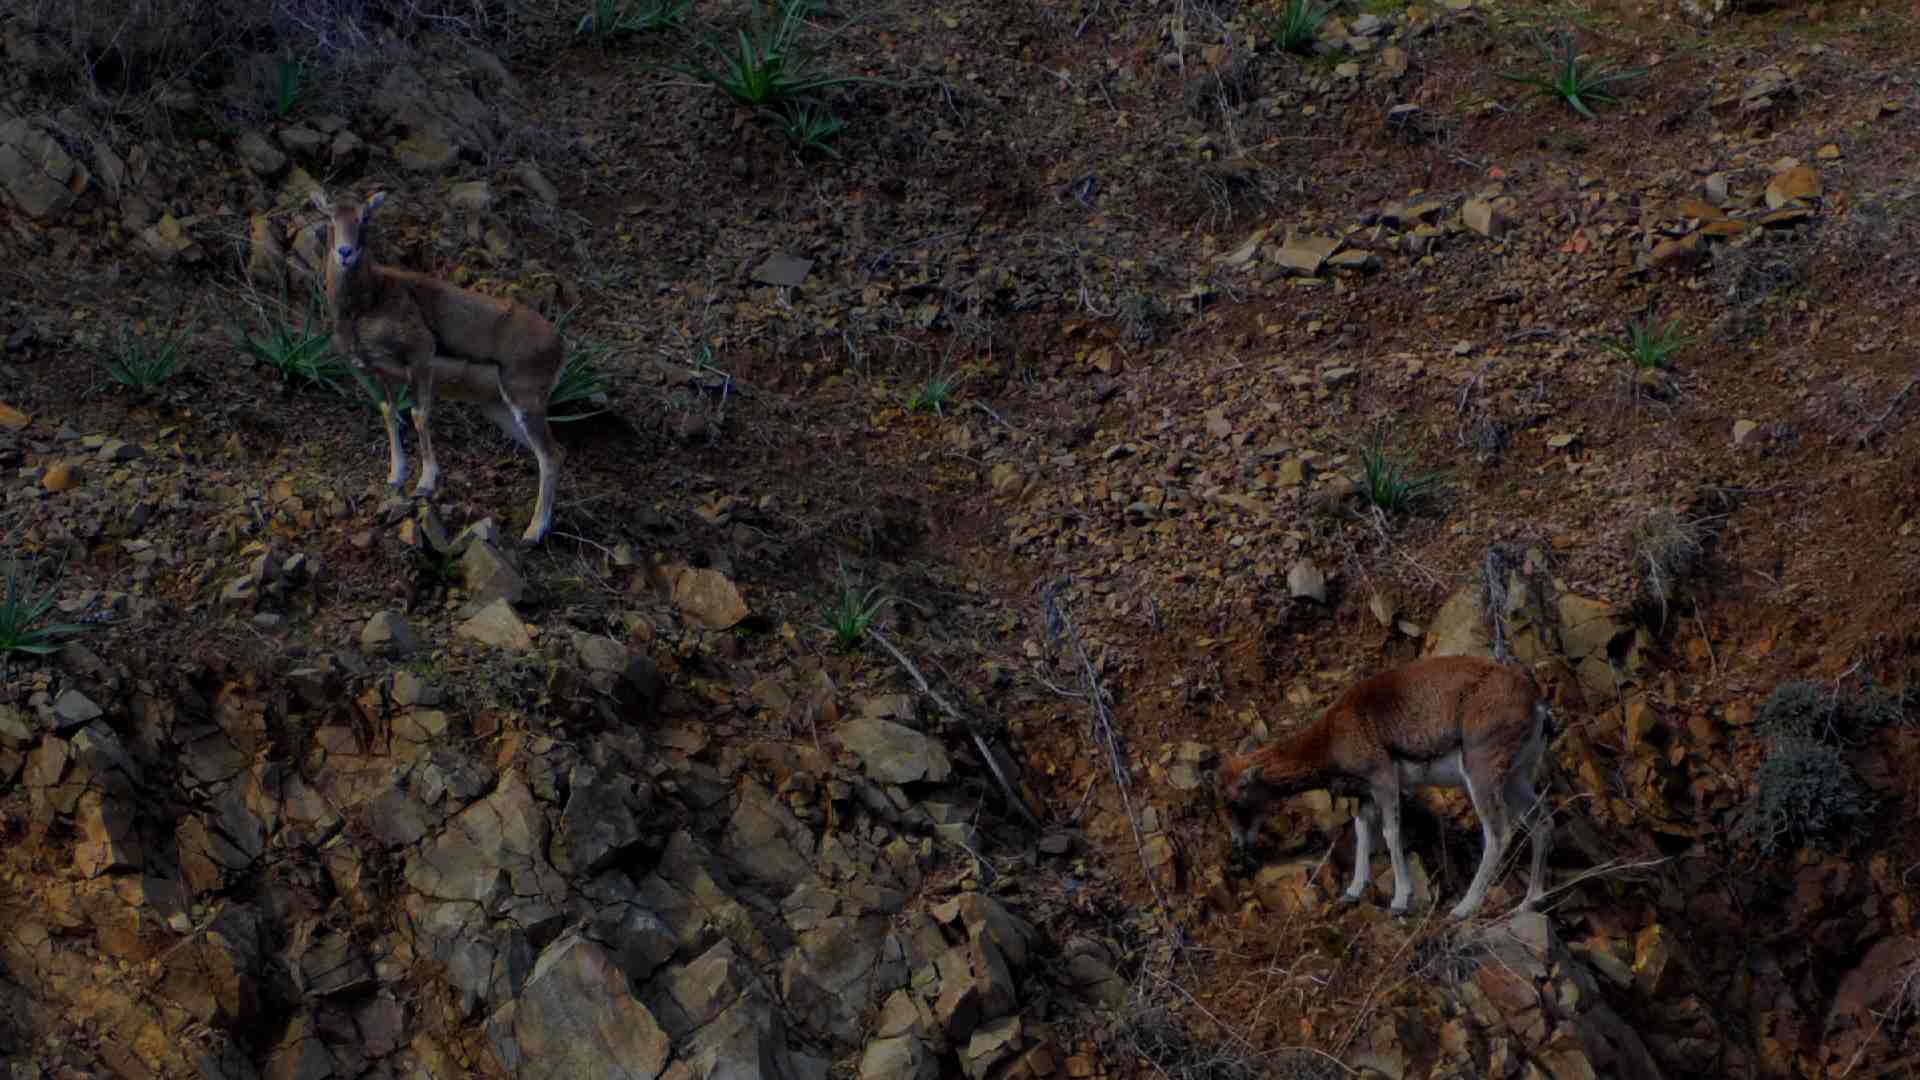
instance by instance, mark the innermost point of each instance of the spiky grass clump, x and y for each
(24, 609)
(810, 127)
(849, 614)
(609, 20)
(581, 391)
(1650, 345)
(1582, 85)
(768, 66)
(144, 363)
(299, 347)
(1387, 483)
(1297, 27)
(934, 394)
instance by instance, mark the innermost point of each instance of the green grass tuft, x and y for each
(1582, 85)
(23, 613)
(298, 347)
(1297, 27)
(850, 612)
(582, 387)
(1650, 345)
(143, 364)
(768, 66)
(1387, 483)
(609, 20)
(934, 394)
(809, 126)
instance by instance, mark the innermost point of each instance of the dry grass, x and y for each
(1667, 550)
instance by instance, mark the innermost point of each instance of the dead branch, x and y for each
(1879, 426)
(979, 741)
(1059, 626)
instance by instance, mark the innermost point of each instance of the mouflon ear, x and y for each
(373, 202)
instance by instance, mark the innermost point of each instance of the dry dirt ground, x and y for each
(1154, 424)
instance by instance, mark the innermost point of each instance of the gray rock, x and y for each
(496, 625)
(73, 710)
(1306, 582)
(575, 1018)
(709, 598)
(302, 141)
(748, 1039)
(537, 182)
(893, 753)
(639, 940)
(14, 730)
(767, 841)
(397, 818)
(107, 841)
(688, 998)
(492, 854)
(35, 171)
(215, 975)
(471, 196)
(488, 575)
(411, 690)
(991, 1045)
(600, 653)
(986, 917)
(387, 634)
(601, 823)
(830, 977)
(334, 964)
(259, 155)
(899, 1057)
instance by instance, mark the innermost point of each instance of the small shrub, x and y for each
(1581, 85)
(1807, 794)
(607, 20)
(1388, 484)
(299, 347)
(932, 396)
(23, 613)
(1297, 27)
(768, 67)
(808, 125)
(1805, 710)
(848, 615)
(1650, 345)
(142, 364)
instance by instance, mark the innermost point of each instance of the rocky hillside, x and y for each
(1021, 405)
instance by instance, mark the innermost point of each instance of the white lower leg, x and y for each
(1396, 852)
(1493, 828)
(429, 462)
(1362, 853)
(396, 453)
(542, 520)
(1540, 824)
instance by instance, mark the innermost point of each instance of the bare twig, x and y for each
(1879, 425)
(979, 741)
(1059, 626)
